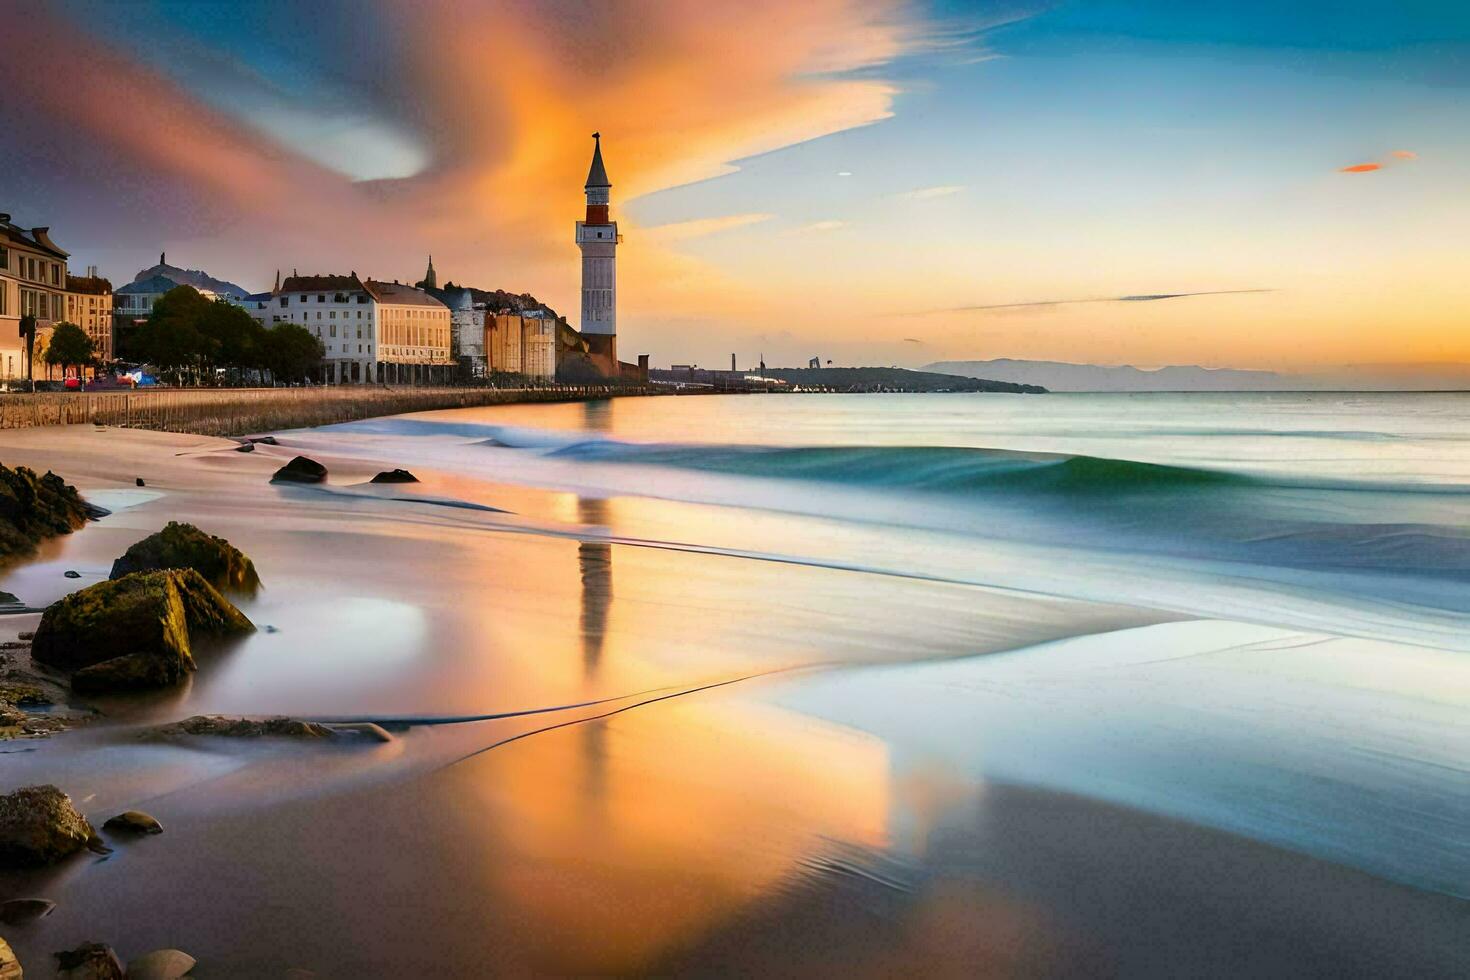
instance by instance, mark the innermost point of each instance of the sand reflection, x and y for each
(668, 821)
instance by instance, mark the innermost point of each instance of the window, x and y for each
(4, 257)
(318, 314)
(339, 298)
(285, 301)
(321, 297)
(334, 328)
(332, 315)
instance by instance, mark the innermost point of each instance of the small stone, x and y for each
(28, 635)
(140, 482)
(245, 447)
(271, 629)
(25, 910)
(395, 476)
(265, 440)
(90, 961)
(134, 822)
(161, 964)
(71, 574)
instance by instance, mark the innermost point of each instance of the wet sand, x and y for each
(715, 814)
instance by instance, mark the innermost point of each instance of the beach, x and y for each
(946, 684)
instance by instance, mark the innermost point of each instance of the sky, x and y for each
(865, 181)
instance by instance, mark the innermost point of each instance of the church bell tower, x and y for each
(598, 239)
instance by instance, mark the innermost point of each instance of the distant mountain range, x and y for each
(1063, 376)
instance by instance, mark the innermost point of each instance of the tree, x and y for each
(171, 339)
(238, 339)
(291, 352)
(70, 346)
(28, 334)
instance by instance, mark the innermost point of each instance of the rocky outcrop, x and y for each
(181, 545)
(90, 961)
(38, 826)
(33, 508)
(244, 727)
(134, 632)
(395, 476)
(301, 470)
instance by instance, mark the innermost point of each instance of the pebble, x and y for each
(161, 964)
(134, 821)
(71, 574)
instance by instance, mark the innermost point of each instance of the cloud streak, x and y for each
(1136, 298)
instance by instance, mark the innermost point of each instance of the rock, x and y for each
(9, 965)
(395, 476)
(245, 727)
(71, 574)
(90, 961)
(27, 635)
(185, 546)
(25, 910)
(301, 470)
(265, 440)
(245, 447)
(135, 822)
(95, 512)
(134, 631)
(161, 964)
(139, 482)
(33, 508)
(39, 825)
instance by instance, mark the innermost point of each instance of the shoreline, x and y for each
(229, 412)
(724, 829)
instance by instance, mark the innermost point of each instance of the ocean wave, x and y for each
(940, 468)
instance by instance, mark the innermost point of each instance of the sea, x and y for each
(948, 683)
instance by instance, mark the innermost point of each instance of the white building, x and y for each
(371, 331)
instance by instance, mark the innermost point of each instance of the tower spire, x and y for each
(431, 279)
(597, 173)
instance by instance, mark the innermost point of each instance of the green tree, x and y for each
(70, 346)
(172, 340)
(291, 352)
(237, 339)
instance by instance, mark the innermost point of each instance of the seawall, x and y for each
(240, 411)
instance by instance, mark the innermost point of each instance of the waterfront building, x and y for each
(414, 329)
(467, 334)
(89, 306)
(538, 345)
(598, 239)
(503, 342)
(32, 280)
(340, 311)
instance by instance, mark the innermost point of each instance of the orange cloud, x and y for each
(1406, 154)
(1361, 168)
(505, 98)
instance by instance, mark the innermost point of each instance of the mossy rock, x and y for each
(185, 546)
(33, 508)
(134, 631)
(38, 826)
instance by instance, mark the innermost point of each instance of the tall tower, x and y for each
(597, 237)
(431, 278)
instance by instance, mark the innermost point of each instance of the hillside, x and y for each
(1062, 376)
(892, 379)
